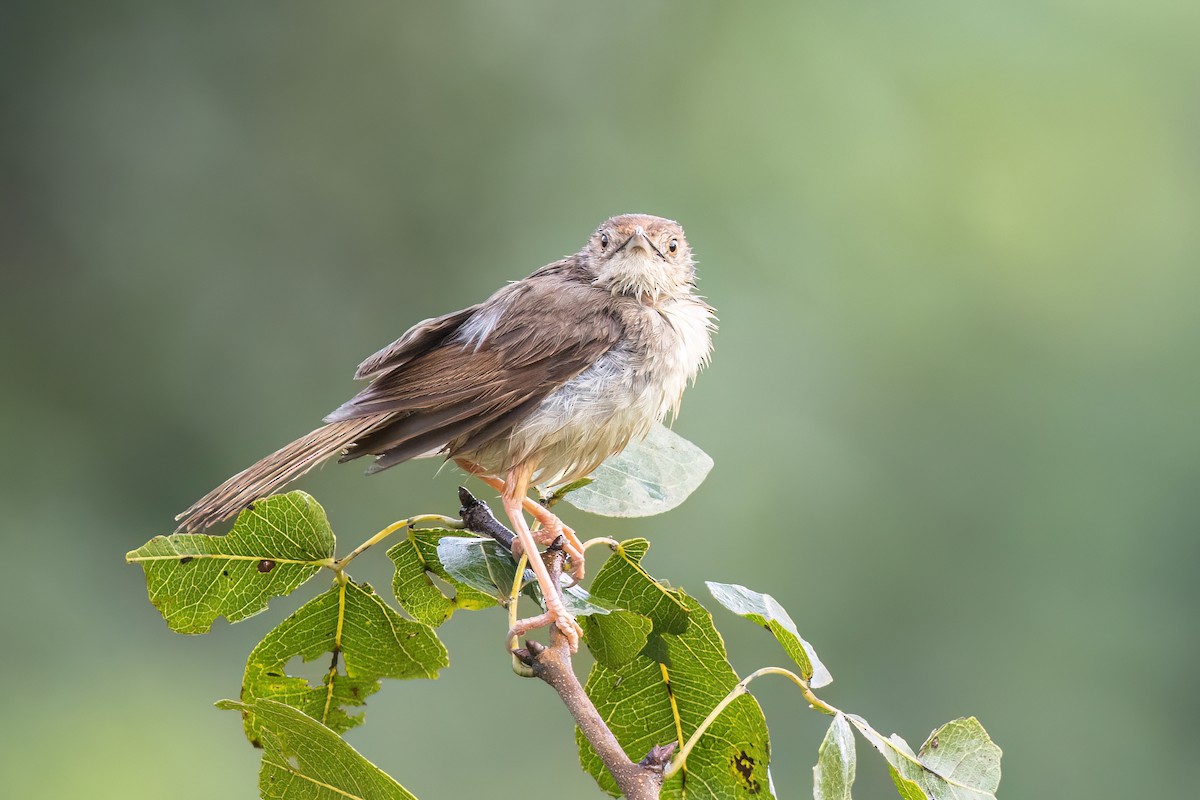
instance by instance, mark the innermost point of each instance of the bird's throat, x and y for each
(649, 278)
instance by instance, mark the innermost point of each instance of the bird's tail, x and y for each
(274, 472)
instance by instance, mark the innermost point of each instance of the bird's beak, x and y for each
(640, 241)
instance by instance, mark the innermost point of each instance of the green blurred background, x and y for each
(954, 248)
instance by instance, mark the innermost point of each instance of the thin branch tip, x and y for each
(478, 518)
(658, 757)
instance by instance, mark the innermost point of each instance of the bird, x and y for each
(535, 386)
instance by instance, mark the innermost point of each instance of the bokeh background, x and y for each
(953, 407)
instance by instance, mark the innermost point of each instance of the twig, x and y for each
(637, 781)
(478, 518)
(640, 781)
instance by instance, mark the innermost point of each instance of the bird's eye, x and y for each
(603, 241)
(673, 246)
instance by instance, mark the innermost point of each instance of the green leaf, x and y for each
(560, 492)
(275, 545)
(487, 567)
(834, 773)
(581, 603)
(663, 694)
(614, 639)
(480, 563)
(648, 477)
(908, 790)
(371, 641)
(624, 584)
(304, 760)
(958, 761)
(415, 559)
(765, 611)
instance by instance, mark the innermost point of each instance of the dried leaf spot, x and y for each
(743, 765)
(266, 565)
(187, 559)
(933, 743)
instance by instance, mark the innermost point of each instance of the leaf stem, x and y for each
(518, 666)
(612, 543)
(448, 522)
(736, 692)
(330, 680)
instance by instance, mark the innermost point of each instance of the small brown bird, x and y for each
(537, 385)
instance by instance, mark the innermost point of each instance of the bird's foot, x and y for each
(548, 569)
(552, 528)
(567, 625)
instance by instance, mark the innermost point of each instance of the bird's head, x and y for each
(641, 255)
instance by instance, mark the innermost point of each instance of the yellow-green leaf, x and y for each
(664, 693)
(275, 545)
(364, 639)
(416, 559)
(623, 583)
(304, 760)
(617, 637)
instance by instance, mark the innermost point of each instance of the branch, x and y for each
(641, 781)
(637, 781)
(478, 518)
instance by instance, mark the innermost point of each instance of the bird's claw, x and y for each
(569, 627)
(563, 621)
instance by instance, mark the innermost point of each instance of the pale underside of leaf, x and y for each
(833, 775)
(764, 610)
(958, 761)
(480, 563)
(648, 477)
(486, 567)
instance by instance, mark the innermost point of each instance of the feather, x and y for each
(418, 339)
(269, 474)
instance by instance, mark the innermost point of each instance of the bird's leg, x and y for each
(552, 526)
(514, 492)
(555, 527)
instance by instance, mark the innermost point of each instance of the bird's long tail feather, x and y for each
(272, 473)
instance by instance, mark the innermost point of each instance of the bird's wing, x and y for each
(488, 373)
(418, 339)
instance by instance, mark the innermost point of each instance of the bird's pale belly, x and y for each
(617, 399)
(588, 419)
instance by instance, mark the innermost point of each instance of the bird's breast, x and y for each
(618, 398)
